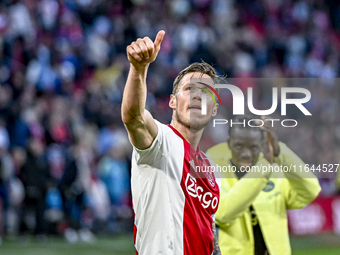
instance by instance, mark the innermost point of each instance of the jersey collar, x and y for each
(193, 153)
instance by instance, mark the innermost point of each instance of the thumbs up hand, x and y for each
(144, 51)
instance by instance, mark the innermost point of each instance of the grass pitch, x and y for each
(115, 245)
(123, 245)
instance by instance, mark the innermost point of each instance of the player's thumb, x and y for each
(159, 39)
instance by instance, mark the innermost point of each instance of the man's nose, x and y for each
(197, 94)
(246, 153)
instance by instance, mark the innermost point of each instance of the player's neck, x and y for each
(191, 136)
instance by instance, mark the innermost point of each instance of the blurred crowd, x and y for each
(64, 152)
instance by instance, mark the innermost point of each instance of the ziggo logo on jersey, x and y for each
(206, 199)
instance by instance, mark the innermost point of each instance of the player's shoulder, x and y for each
(168, 136)
(163, 128)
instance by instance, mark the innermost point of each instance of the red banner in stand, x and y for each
(321, 216)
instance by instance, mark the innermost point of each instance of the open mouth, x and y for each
(245, 164)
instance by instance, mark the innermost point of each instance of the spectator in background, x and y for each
(35, 176)
(74, 188)
(113, 170)
(6, 173)
(17, 190)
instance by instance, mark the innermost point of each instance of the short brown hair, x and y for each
(203, 68)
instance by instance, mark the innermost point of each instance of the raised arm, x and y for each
(304, 186)
(235, 201)
(139, 123)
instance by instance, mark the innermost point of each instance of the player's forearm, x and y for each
(304, 183)
(236, 201)
(134, 97)
(288, 158)
(305, 190)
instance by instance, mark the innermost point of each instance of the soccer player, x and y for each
(174, 209)
(252, 215)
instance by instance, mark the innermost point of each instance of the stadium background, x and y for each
(62, 72)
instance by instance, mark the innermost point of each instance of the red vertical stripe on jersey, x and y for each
(197, 220)
(134, 236)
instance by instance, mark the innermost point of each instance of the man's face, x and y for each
(187, 103)
(245, 146)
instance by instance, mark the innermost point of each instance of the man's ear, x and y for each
(214, 112)
(172, 102)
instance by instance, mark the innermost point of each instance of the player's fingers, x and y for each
(265, 129)
(130, 50)
(267, 122)
(159, 39)
(143, 47)
(137, 49)
(149, 44)
(258, 122)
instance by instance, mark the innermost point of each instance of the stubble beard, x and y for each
(193, 123)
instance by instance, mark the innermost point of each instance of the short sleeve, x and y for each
(152, 154)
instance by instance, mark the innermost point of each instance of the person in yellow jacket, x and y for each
(252, 216)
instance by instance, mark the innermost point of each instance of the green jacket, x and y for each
(270, 199)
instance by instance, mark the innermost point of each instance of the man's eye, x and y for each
(238, 147)
(192, 89)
